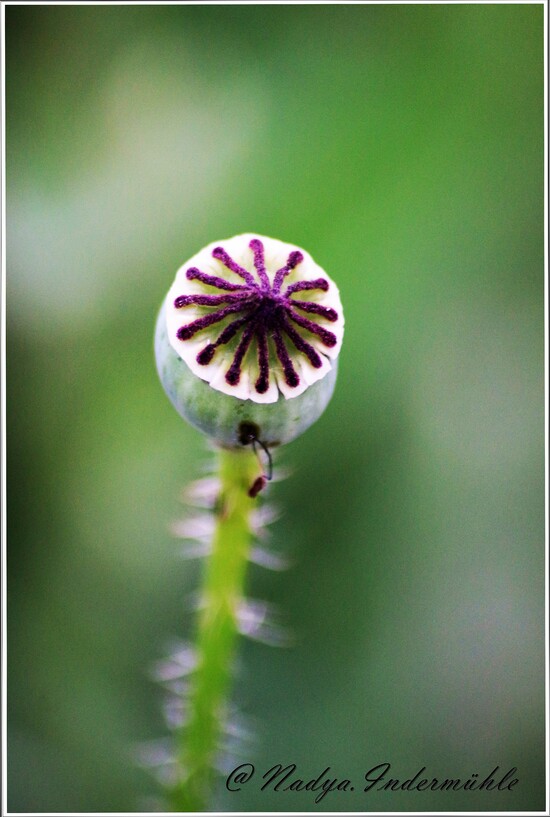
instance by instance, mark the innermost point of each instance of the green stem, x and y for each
(217, 631)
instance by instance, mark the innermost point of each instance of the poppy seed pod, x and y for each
(247, 341)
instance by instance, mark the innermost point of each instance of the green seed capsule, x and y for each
(248, 337)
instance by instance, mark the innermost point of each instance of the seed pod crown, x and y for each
(259, 325)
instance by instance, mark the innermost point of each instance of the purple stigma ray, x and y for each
(291, 375)
(316, 309)
(258, 249)
(328, 338)
(293, 260)
(187, 332)
(302, 286)
(206, 300)
(193, 274)
(234, 372)
(266, 315)
(302, 345)
(205, 357)
(227, 261)
(262, 383)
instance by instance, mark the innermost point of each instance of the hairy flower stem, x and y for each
(222, 595)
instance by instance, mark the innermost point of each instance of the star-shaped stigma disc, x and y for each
(255, 317)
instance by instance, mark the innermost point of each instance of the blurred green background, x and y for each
(402, 145)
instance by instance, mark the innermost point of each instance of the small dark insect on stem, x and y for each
(248, 435)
